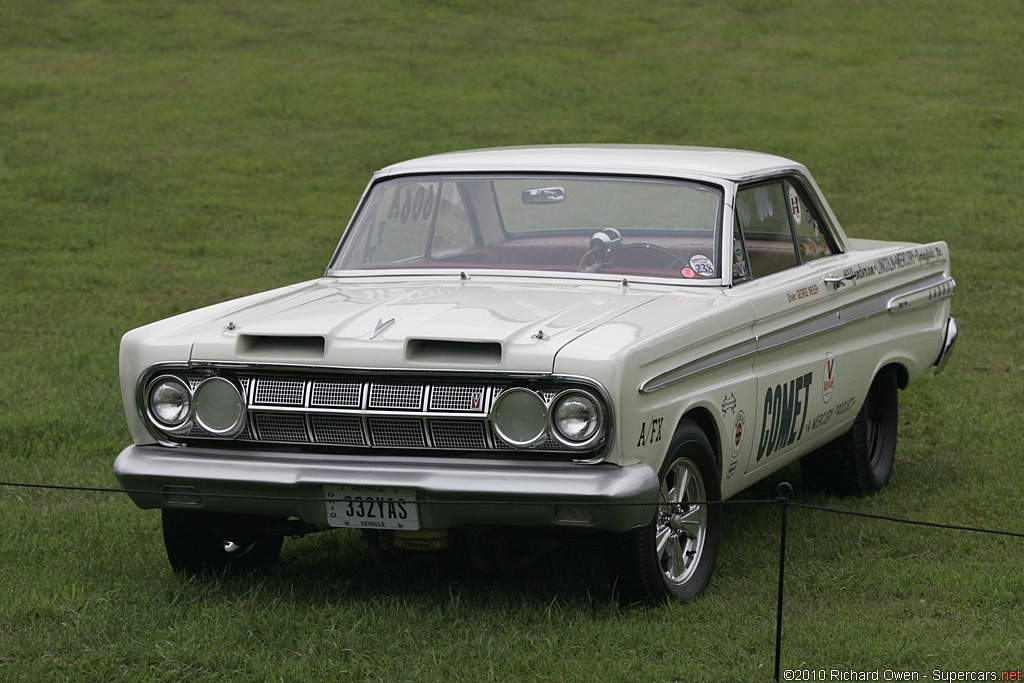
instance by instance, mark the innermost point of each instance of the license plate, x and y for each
(372, 507)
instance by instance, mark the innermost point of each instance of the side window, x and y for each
(779, 229)
(810, 236)
(763, 213)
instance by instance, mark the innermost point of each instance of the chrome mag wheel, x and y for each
(672, 557)
(681, 526)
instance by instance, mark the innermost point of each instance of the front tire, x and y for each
(199, 541)
(673, 555)
(861, 461)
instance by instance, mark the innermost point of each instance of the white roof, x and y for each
(687, 162)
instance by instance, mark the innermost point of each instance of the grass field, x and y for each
(155, 157)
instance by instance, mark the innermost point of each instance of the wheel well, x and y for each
(902, 375)
(703, 418)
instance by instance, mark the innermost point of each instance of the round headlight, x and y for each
(220, 408)
(169, 402)
(576, 418)
(520, 417)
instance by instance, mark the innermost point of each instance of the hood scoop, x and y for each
(447, 352)
(284, 348)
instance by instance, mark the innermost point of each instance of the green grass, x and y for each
(155, 157)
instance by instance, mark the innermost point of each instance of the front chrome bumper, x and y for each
(449, 492)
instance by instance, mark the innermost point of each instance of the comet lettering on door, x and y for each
(782, 421)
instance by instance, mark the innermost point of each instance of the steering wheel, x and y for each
(635, 246)
(673, 259)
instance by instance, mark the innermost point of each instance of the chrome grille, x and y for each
(445, 398)
(396, 396)
(389, 432)
(549, 444)
(362, 411)
(194, 377)
(335, 394)
(458, 434)
(279, 392)
(287, 427)
(337, 430)
(199, 432)
(246, 433)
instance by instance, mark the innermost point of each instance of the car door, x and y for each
(787, 262)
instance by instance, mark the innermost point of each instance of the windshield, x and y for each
(562, 223)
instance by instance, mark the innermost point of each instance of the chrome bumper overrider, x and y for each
(952, 331)
(449, 492)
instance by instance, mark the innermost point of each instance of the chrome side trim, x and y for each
(855, 312)
(932, 290)
(710, 362)
(923, 296)
(952, 331)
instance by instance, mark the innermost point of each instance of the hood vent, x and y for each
(444, 352)
(264, 347)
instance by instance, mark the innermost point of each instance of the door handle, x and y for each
(838, 281)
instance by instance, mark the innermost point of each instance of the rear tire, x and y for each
(860, 461)
(199, 541)
(673, 555)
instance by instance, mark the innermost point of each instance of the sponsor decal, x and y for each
(737, 438)
(859, 272)
(702, 265)
(688, 273)
(904, 259)
(784, 415)
(651, 434)
(739, 262)
(829, 385)
(894, 262)
(814, 246)
(732, 470)
(794, 205)
(825, 417)
(729, 403)
(802, 293)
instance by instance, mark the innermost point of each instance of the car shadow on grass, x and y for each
(339, 565)
(512, 568)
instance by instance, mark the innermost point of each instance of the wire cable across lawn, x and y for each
(782, 499)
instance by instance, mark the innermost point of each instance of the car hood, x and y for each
(507, 325)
